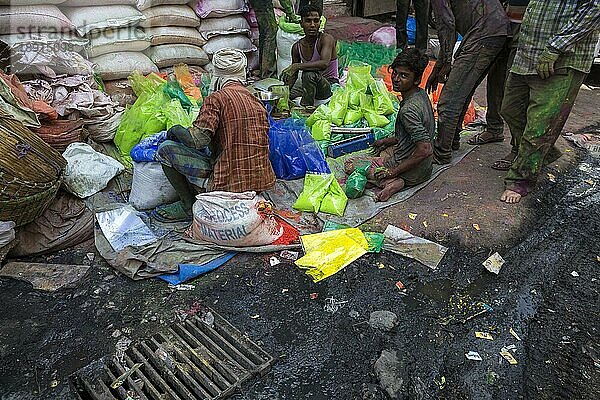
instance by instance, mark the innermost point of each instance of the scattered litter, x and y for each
(255, 316)
(274, 261)
(121, 379)
(425, 224)
(120, 347)
(484, 335)
(574, 274)
(507, 355)
(48, 277)
(412, 216)
(473, 355)
(289, 255)
(462, 309)
(551, 177)
(400, 285)
(494, 263)
(332, 305)
(406, 244)
(90, 256)
(445, 215)
(491, 377)
(512, 332)
(208, 319)
(476, 227)
(510, 347)
(122, 228)
(590, 182)
(54, 383)
(314, 296)
(441, 383)
(381, 266)
(182, 287)
(353, 314)
(598, 258)
(285, 290)
(116, 334)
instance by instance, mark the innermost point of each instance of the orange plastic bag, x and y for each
(186, 81)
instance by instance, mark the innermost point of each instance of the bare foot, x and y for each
(390, 188)
(510, 197)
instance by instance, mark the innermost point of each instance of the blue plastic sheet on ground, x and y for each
(146, 149)
(293, 151)
(191, 271)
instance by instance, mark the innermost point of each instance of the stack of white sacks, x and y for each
(172, 27)
(115, 44)
(223, 25)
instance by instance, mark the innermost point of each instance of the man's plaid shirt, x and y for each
(569, 27)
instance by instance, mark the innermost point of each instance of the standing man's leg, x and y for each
(401, 17)
(514, 104)
(550, 103)
(468, 71)
(267, 44)
(422, 16)
(314, 86)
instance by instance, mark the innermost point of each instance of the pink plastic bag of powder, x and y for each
(385, 36)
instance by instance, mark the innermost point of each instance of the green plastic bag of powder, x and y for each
(338, 106)
(321, 130)
(376, 120)
(375, 240)
(357, 182)
(322, 112)
(335, 200)
(316, 187)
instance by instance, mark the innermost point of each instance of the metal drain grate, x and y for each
(201, 358)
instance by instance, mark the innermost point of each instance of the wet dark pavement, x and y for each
(320, 354)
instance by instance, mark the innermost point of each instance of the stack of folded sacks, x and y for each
(115, 44)
(224, 25)
(39, 38)
(172, 27)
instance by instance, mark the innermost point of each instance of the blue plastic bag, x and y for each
(146, 149)
(411, 29)
(190, 271)
(293, 151)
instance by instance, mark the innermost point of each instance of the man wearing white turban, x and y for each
(233, 124)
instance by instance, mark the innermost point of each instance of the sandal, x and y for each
(484, 138)
(505, 162)
(171, 213)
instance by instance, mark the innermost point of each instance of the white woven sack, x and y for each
(58, 40)
(167, 55)
(28, 2)
(233, 219)
(116, 40)
(175, 35)
(150, 187)
(94, 3)
(88, 19)
(220, 8)
(240, 42)
(144, 4)
(41, 18)
(120, 65)
(170, 16)
(233, 24)
(87, 171)
(285, 41)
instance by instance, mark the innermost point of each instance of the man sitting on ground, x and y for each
(235, 126)
(316, 56)
(406, 159)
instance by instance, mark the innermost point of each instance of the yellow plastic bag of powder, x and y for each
(326, 253)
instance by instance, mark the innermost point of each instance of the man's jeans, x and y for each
(267, 43)
(470, 67)
(422, 17)
(536, 110)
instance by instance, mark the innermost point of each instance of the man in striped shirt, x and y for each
(554, 54)
(234, 125)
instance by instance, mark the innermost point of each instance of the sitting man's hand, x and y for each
(382, 173)
(288, 73)
(181, 135)
(545, 66)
